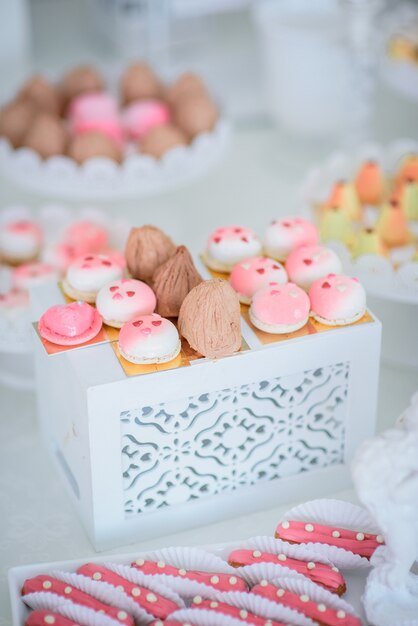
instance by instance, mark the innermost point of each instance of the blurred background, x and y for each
(297, 78)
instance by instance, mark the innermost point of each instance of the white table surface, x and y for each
(256, 182)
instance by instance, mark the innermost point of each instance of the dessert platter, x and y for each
(177, 373)
(84, 137)
(399, 49)
(366, 206)
(310, 572)
(326, 562)
(36, 248)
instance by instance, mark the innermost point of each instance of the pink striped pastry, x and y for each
(229, 245)
(221, 582)
(279, 309)
(318, 611)
(252, 274)
(307, 264)
(325, 575)
(154, 603)
(48, 584)
(283, 236)
(70, 324)
(233, 611)
(358, 542)
(40, 617)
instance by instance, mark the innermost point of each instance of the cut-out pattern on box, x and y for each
(217, 442)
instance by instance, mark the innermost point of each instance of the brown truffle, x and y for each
(210, 319)
(47, 135)
(161, 139)
(93, 144)
(187, 84)
(173, 280)
(139, 83)
(196, 114)
(15, 119)
(147, 248)
(42, 94)
(81, 79)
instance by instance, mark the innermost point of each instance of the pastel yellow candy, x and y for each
(368, 241)
(335, 225)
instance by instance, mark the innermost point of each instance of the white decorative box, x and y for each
(193, 445)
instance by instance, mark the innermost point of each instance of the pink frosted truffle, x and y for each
(70, 324)
(140, 117)
(337, 300)
(149, 339)
(97, 111)
(28, 274)
(280, 308)
(308, 263)
(122, 300)
(228, 245)
(284, 235)
(252, 274)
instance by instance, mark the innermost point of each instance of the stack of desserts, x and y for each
(80, 118)
(296, 578)
(29, 259)
(164, 298)
(375, 215)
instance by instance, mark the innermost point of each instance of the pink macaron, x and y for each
(143, 115)
(307, 264)
(337, 300)
(13, 302)
(280, 308)
(96, 112)
(284, 235)
(86, 236)
(149, 339)
(252, 274)
(123, 300)
(20, 241)
(228, 245)
(88, 274)
(29, 274)
(70, 324)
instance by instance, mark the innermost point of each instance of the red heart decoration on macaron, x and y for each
(217, 239)
(245, 239)
(260, 271)
(138, 323)
(157, 323)
(114, 288)
(130, 294)
(107, 263)
(326, 285)
(307, 261)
